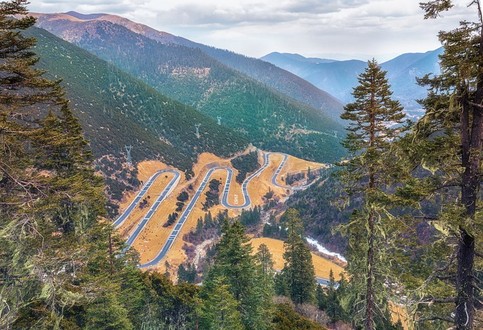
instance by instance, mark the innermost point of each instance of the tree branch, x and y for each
(446, 277)
(437, 318)
(426, 217)
(432, 300)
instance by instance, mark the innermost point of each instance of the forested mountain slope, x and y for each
(270, 120)
(116, 109)
(271, 75)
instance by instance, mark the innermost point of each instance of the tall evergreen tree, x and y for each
(298, 274)
(60, 266)
(219, 309)
(50, 198)
(446, 148)
(234, 261)
(374, 121)
(264, 276)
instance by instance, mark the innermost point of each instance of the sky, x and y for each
(337, 29)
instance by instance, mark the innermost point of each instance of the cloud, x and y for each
(319, 7)
(348, 28)
(87, 6)
(249, 11)
(197, 14)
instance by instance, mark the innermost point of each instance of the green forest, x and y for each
(404, 205)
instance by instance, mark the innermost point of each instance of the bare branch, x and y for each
(480, 16)
(446, 277)
(437, 318)
(432, 300)
(426, 217)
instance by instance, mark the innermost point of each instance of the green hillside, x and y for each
(269, 119)
(116, 109)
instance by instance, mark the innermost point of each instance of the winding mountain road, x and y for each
(277, 172)
(224, 201)
(152, 210)
(186, 213)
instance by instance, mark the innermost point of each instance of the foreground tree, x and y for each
(50, 198)
(236, 265)
(297, 275)
(219, 309)
(375, 121)
(60, 262)
(447, 143)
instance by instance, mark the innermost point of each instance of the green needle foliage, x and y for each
(219, 310)
(375, 121)
(297, 277)
(60, 263)
(445, 149)
(50, 198)
(244, 276)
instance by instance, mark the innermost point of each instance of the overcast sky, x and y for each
(340, 29)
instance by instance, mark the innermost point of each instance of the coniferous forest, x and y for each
(402, 202)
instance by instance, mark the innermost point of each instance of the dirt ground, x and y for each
(322, 266)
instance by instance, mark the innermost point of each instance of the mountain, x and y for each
(339, 77)
(402, 73)
(266, 117)
(268, 74)
(116, 109)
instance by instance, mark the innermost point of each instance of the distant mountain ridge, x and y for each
(339, 77)
(266, 117)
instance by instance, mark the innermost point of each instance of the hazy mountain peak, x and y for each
(297, 57)
(84, 17)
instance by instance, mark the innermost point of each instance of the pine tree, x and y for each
(446, 147)
(234, 261)
(50, 198)
(298, 272)
(265, 279)
(219, 309)
(374, 121)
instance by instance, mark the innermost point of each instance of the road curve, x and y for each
(119, 221)
(177, 228)
(277, 172)
(247, 202)
(152, 210)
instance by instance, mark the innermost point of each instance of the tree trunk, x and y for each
(465, 301)
(466, 245)
(370, 275)
(370, 304)
(471, 154)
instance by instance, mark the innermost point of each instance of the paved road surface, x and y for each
(181, 221)
(136, 200)
(162, 196)
(277, 172)
(177, 228)
(246, 196)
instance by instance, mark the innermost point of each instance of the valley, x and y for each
(151, 181)
(143, 223)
